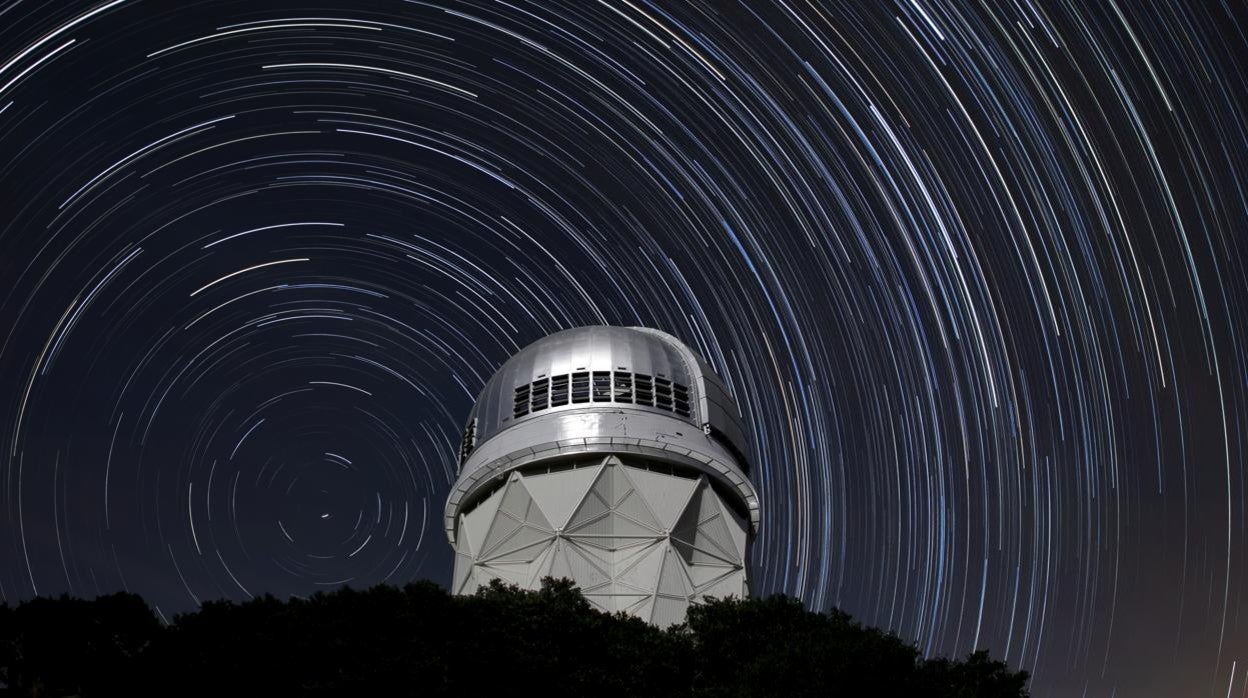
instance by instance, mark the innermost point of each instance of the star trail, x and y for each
(974, 271)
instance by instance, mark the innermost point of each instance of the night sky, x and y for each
(976, 273)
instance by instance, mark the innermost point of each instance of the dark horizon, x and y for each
(420, 640)
(976, 276)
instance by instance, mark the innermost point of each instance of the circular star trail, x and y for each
(975, 272)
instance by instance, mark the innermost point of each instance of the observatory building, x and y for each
(613, 456)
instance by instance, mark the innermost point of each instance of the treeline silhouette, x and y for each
(420, 641)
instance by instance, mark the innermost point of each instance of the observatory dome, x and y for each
(632, 368)
(614, 456)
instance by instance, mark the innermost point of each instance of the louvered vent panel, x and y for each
(643, 389)
(623, 386)
(602, 386)
(558, 390)
(539, 394)
(580, 387)
(522, 401)
(469, 441)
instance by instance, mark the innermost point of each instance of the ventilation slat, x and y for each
(623, 386)
(469, 441)
(558, 390)
(580, 387)
(540, 399)
(602, 386)
(643, 389)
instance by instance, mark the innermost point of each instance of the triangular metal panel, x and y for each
(559, 567)
(702, 531)
(610, 486)
(672, 578)
(689, 539)
(634, 507)
(615, 525)
(558, 493)
(731, 584)
(715, 532)
(693, 555)
(600, 589)
(601, 545)
(605, 486)
(737, 527)
(517, 504)
(636, 606)
(668, 611)
(620, 484)
(540, 567)
(624, 557)
(502, 526)
(463, 561)
(470, 584)
(516, 499)
(643, 570)
(708, 502)
(591, 548)
(463, 543)
(627, 547)
(627, 601)
(584, 572)
(512, 573)
(522, 546)
(533, 515)
(601, 603)
(666, 495)
(463, 570)
(701, 575)
(600, 525)
(615, 602)
(609, 545)
(590, 509)
(476, 523)
(643, 609)
(687, 523)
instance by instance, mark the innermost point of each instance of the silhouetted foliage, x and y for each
(418, 640)
(774, 646)
(67, 646)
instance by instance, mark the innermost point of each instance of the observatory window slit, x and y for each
(541, 395)
(580, 386)
(522, 401)
(602, 386)
(623, 386)
(663, 393)
(558, 390)
(643, 389)
(681, 396)
(470, 440)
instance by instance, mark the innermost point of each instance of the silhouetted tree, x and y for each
(978, 676)
(774, 646)
(66, 646)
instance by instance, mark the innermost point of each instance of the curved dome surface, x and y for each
(616, 368)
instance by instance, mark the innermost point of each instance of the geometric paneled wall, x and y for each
(642, 541)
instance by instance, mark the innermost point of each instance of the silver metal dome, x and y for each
(633, 368)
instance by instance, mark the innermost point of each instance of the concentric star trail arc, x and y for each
(975, 273)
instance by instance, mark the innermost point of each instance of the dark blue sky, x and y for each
(975, 272)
